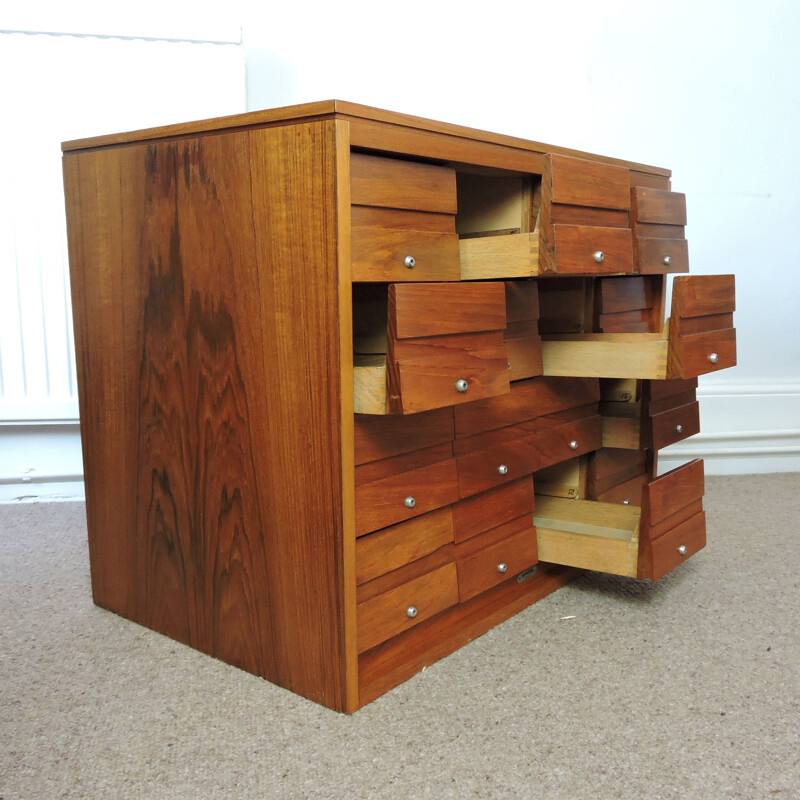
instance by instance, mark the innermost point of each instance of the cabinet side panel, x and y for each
(220, 339)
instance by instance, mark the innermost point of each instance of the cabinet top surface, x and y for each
(334, 109)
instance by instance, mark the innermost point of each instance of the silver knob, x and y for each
(461, 385)
(679, 428)
(667, 260)
(410, 262)
(682, 549)
(411, 611)
(410, 502)
(503, 469)
(713, 358)
(502, 568)
(626, 502)
(599, 256)
(573, 445)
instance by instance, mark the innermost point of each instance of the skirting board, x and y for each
(41, 460)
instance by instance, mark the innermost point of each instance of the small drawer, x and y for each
(583, 182)
(403, 495)
(658, 206)
(394, 183)
(485, 511)
(401, 544)
(677, 545)
(398, 609)
(675, 425)
(701, 353)
(382, 254)
(513, 454)
(654, 256)
(569, 439)
(583, 249)
(488, 560)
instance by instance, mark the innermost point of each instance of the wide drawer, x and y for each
(382, 254)
(402, 495)
(488, 560)
(388, 614)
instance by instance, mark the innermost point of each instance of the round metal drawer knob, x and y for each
(682, 549)
(503, 469)
(502, 568)
(410, 262)
(411, 611)
(667, 260)
(410, 502)
(626, 502)
(462, 385)
(679, 429)
(599, 256)
(713, 358)
(573, 445)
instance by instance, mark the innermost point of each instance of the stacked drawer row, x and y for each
(444, 499)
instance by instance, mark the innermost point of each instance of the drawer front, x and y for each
(629, 492)
(701, 353)
(393, 183)
(401, 544)
(677, 545)
(665, 495)
(399, 609)
(582, 249)
(382, 254)
(658, 206)
(581, 182)
(485, 511)
(402, 496)
(445, 371)
(675, 425)
(483, 469)
(569, 440)
(496, 562)
(658, 256)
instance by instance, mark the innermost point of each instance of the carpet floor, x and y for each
(609, 688)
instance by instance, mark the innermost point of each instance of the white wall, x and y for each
(709, 89)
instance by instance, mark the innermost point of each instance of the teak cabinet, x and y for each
(356, 386)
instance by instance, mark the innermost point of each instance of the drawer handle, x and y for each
(410, 262)
(503, 469)
(667, 260)
(599, 256)
(410, 502)
(682, 549)
(626, 502)
(679, 429)
(411, 612)
(502, 568)
(462, 385)
(713, 358)
(573, 445)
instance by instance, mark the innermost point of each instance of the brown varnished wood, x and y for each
(665, 555)
(553, 444)
(580, 215)
(624, 322)
(384, 616)
(445, 308)
(647, 230)
(397, 660)
(659, 390)
(609, 467)
(489, 509)
(689, 356)
(703, 295)
(477, 560)
(527, 399)
(404, 462)
(405, 573)
(664, 425)
(522, 301)
(675, 489)
(628, 492)
(658, 206)
(639, 178)
(379, 437)
(574, 247)
(625, 294)
(400, 219)
(205, 527)
(381, 502)
(713, 322)
(649, 255)
(403, 543)
(675, 519)
(581, 182)
(524, 356)
(396, 183)
(378, 254)
(672, 401)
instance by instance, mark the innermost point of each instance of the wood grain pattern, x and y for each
(580, 182)
(690, 356)
(381, 437)
(487, 510)
(195, 297)
(496, 257)
(401, 219)
(575, 245)
(405, 574)
(675, 489)
(658, 206)
(665, 425)
(403, 543)
(701, 295)
(609, 467)
(396, 183)
(659, 390)
(606, 355)
(404, 462)
(580, 215)
(617, 295)
(522, 301)
(651, 255)
(664, 552)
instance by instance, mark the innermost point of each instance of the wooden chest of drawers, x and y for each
(356, 386)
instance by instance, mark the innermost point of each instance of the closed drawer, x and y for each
(379, 437)
(660, 255)
(381, 254)
(394, 611)
(658, 217)
(678, 544)
(403, 495)
(487, 510)
(512, 454)
(496, 556)
(582, 249)
(394, 183)
(569, 439)
(401, 544)
(675, 425)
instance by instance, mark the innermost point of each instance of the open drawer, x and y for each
(698, 338)
(637, 542)
(443, 346)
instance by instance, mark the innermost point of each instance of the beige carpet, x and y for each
(689, 688)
